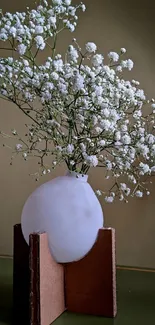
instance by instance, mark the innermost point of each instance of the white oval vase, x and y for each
(67, 209)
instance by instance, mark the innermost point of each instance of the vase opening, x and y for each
(78, 176)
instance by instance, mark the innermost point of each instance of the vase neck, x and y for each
(78, 176)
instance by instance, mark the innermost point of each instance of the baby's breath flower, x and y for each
(25, 155)
(102, 143)
(119, 68)
(19, 146)
(39, 29)
(98, 192)
(72, 162)
(72, 54)
(54, 163)
(40, 44)
(91, 47)
(82, 112)
(127, 64)
(67, 2)
(92, 161)
(123, 50)
(127, 191)
(123, 186)
(109, 199)
(121, 197)
(70, 148)
(139, 193)
(83, 7)
(14, 132)
(97, 60)
(21, 49)
(125, 139)
(113, 56)
(144, 168)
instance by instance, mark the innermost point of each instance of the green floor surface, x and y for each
(136, 300)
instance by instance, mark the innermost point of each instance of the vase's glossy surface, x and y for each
(69, 211)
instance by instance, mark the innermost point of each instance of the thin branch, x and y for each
(25, 112)
(7, 49)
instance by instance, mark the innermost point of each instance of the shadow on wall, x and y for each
(111, 25)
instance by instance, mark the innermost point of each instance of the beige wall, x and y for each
(110, 24)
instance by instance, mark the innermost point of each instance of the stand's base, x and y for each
(91, 282)
(43, 289)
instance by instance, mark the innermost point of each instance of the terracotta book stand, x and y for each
(44, 289)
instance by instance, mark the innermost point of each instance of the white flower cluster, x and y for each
(38, 25)
(88, 115)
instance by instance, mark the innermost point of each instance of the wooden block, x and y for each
(90, 284)
(47, 283)
(38, 289)
(21, 278)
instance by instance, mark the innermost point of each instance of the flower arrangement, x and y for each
(82, 112)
